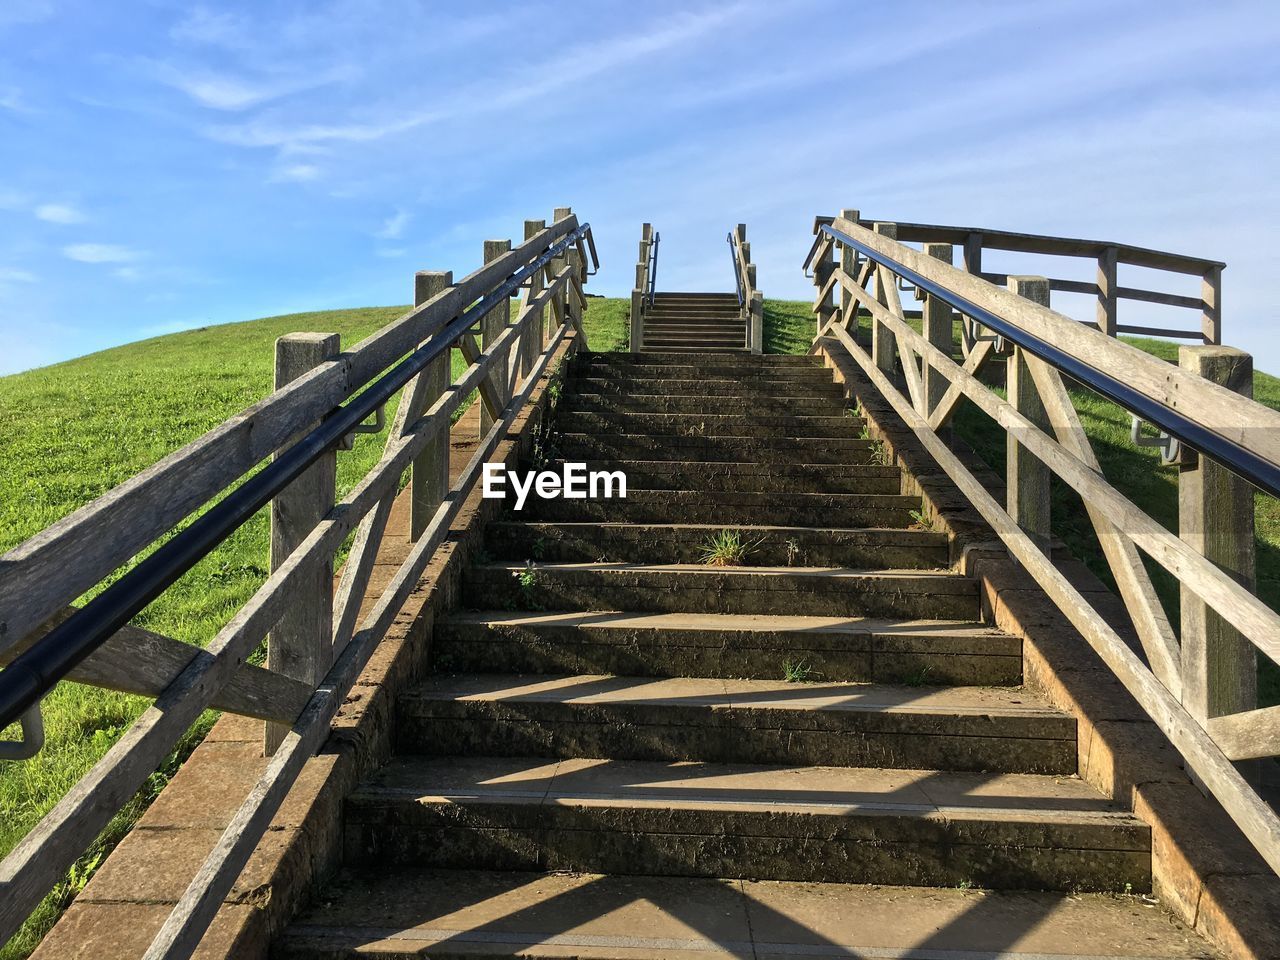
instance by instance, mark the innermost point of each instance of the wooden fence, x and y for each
(646, 277)
(318, 647)
(1107, 256)
(1197, 682)
(750, 298)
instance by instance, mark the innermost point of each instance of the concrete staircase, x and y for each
(694, 323)
(624, 752)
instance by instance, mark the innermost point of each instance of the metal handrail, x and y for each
(651, 269)
(35, 671)
(738, 282)
(1257, 470)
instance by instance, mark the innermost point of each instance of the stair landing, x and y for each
(694, 323)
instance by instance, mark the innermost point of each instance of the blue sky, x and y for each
(166, 165)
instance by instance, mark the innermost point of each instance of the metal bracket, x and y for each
(32, 737)
(379, 421)
(1170, 448)
(971, 334)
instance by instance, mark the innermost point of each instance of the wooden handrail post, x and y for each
(536, 335)
(882, 339)
(1211, 300)
(1107, 291)
(823, 267)
(429, 478)
(562, 296)
(1216, 517)
(638, 291)
(937, 329)
(1026, 477)
(491, 327)
(848, 263)
(301, 643)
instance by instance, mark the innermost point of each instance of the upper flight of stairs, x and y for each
(694, 323)
(623, 752)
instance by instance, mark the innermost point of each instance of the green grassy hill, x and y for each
(90, 423)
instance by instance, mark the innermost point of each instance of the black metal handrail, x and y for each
(737, 273)
(1249, 465)
(35, 671)
(651, 269)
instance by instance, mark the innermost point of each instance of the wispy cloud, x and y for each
(100, 253)
(299, 172)
(391, 253)
(393, 227)
(233, 93)
(201, 25)
(62, 213)
(127, 273)
(25, 11)
(10, 275)
(530, 83)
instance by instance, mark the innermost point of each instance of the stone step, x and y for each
(753, 390)
(679, 367)
(707, 318)
(822, 510)
(764, 424)
(718, 645)
(693, 341)
(574, 400)
(398, 914)
(834, 724)
(728, 477)
(585, 446)
(823, 824)
(758, 362)
(699, 350)
(683, 588)
(676, 296)
(614, 542)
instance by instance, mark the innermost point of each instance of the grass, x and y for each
(726, 548)
(799, 671)
(87, 425)
(1135, 471)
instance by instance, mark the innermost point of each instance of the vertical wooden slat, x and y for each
(430, 475)
(1107, 291)
(1027, 478)
(848, 260)
(536, 333)
(882, 339)
(491, 326)
(823, 267)
(936, 327)
(1216, 517)
(301, 643)
(1211, 298)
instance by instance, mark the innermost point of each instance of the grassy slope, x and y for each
(91, 423)
(1136, 472)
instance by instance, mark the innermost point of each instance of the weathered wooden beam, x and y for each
(1250, 735)
(1155, 632)
(1026, 477)
(491, 325)
(1216, 518)
(301, 642)
(143, 662)
(936, 325)
(1107, 291)
(430, 477)
(1211, 298)
(882, 339)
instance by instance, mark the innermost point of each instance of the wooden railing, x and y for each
(750, 299)
(1106, 256)
(1197, 683)
(318, 646)
(646, 280)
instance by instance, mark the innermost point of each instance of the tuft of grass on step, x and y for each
(799, 671)
(727, 548)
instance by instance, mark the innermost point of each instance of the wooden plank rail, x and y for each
(1199, 691)
(752, 306)
(186, 680)
(1108, 256)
